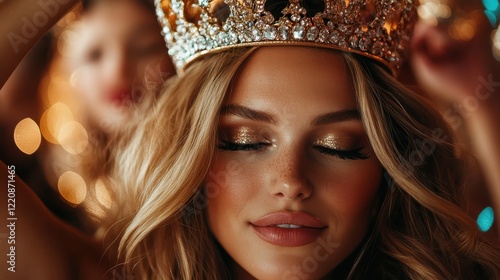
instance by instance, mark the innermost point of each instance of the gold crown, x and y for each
(379, 29)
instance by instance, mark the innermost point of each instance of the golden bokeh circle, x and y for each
(27, 136)
(73, 137)
(72, 187)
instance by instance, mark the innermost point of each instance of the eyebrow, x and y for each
(338, 116)
(256, 115)
(247, 113)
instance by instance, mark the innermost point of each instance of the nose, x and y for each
(117, 68)
(290, 174)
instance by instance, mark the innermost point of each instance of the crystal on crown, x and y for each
(379, 29)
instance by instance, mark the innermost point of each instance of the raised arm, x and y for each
(464, 79)
(22, 24)
(34, 244)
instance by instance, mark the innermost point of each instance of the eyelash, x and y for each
(347, 155)
(355, 154)
(229, 146)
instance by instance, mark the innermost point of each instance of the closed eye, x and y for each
(230, 146)
(354, 154)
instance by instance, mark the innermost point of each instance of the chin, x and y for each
(291, 272)
(113, 123)
(299, 265)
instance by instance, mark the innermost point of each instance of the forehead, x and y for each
(302, 78)
(111, 17)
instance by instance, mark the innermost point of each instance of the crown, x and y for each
(378, 29)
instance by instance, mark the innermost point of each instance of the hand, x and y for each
(448, 69)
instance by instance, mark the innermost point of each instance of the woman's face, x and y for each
(117, 55)
(293, 187)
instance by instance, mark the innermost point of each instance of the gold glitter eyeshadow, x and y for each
(244, 135)
(330, 141)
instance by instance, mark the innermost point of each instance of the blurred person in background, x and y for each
(85, 80)
(115, 55)
(109, 57)
(453, 64)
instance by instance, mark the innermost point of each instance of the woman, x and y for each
(269, 165)
(292, 162)
(325, 167)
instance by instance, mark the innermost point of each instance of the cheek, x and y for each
(356, 189)
(352, 195)
(228, 187)
(88, 84)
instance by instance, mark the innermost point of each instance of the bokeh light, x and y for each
(491, 5)
(44, 128)
(496, 44)
(57, 116)
(492, 17)
(73, 137)
(102, 202)
(492, 11)
(463, 30)
(430, 11)
(485, 219)
(53, 120)
(72, 187)
(27, 136)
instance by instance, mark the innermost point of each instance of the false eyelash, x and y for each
(355, 154)
(229, 146)
(346, 155)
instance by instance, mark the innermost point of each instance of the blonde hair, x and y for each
(421, 233)
(421, 229)
(164, 162)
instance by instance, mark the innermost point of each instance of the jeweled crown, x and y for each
(379, 29)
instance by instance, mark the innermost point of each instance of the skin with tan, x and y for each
(291, 144)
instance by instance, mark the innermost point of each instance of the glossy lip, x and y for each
(310, 228)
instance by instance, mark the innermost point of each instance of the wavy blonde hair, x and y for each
(420, 233)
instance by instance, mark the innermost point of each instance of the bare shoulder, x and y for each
(35, 244)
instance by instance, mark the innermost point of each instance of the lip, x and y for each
(119, 96)
(306, 228)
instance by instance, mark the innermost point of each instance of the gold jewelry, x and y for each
(378, 29)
